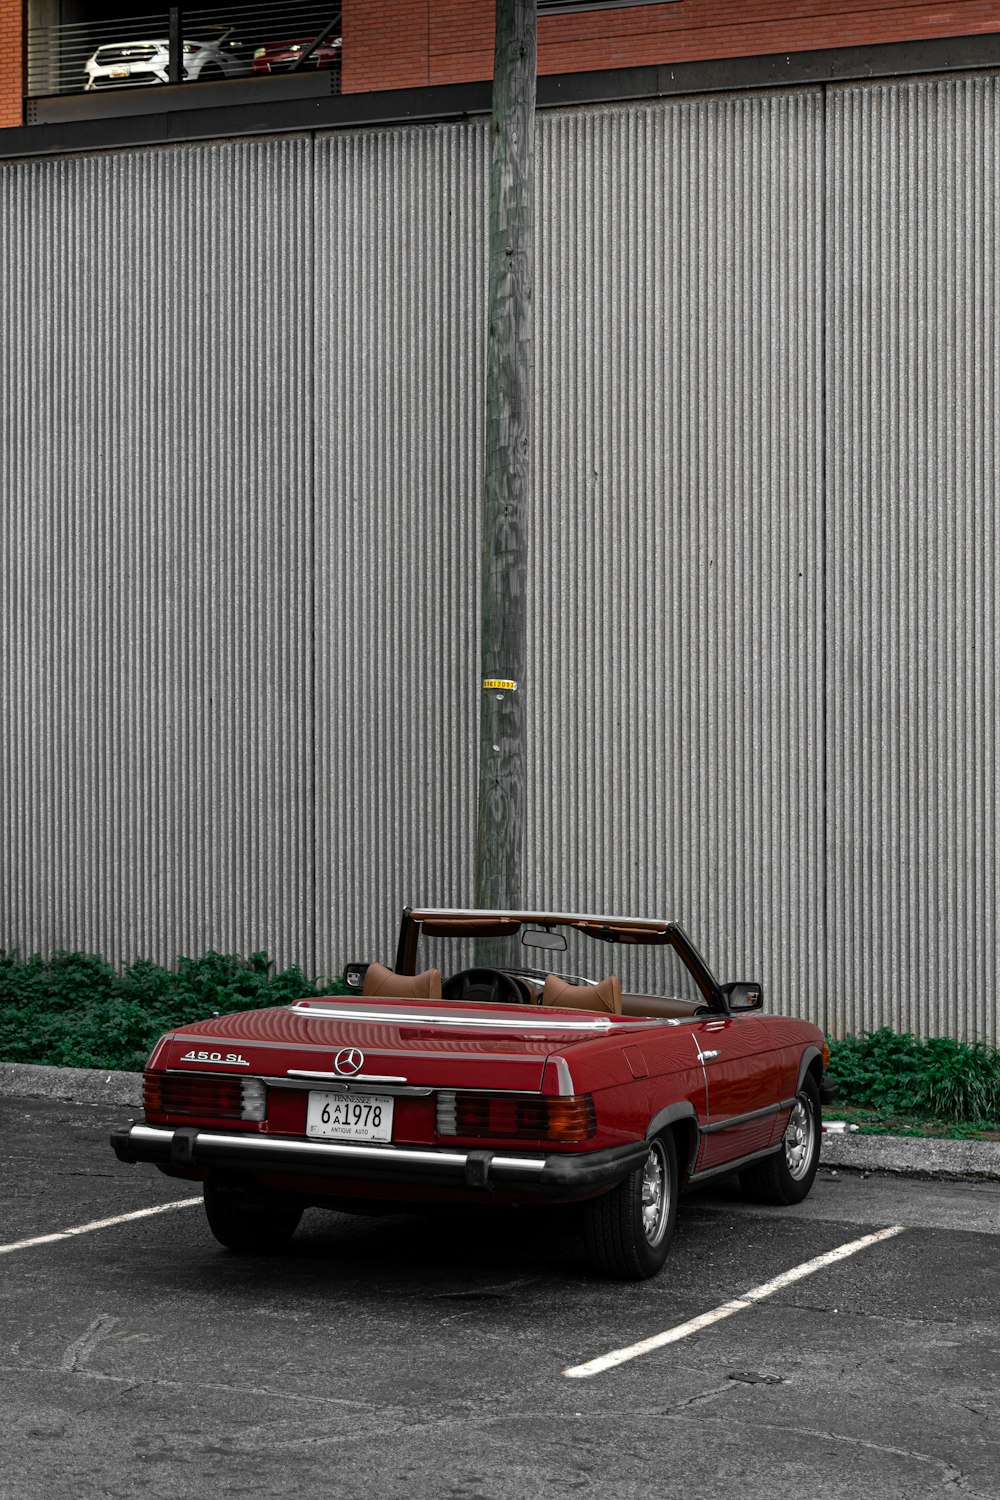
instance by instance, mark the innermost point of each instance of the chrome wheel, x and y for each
(799, 1139)
(786, 1175)
(628, 1231)
(655, 1195)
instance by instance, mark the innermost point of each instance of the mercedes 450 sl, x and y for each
(505, 1058)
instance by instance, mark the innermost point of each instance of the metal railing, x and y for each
(181, 45)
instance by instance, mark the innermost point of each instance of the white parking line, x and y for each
(65, 1234)
(740, 1304)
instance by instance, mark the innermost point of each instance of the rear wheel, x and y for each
(249, 1222)
(787, 1176)
(627, 1232)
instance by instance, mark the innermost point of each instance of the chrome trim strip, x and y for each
(323, 1150)
(564, 1078)
(467, 1019)
(517, 1163)
(347, 1077)
(754, 1114)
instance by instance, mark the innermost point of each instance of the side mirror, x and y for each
(354, 976)
(742, 996)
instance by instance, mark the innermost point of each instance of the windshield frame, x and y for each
(467, 922)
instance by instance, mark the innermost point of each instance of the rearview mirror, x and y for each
(543, 937)
(742, 995)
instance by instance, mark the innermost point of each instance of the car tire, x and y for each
(627, 1232)
(250, 1224)
(787, 1176)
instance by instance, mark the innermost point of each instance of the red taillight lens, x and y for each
(566, 1117)
(200, 1094)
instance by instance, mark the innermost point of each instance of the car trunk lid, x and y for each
(417, 1043)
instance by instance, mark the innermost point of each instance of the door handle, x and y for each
(706, 1055)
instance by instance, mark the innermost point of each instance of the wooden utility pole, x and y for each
(509, 368)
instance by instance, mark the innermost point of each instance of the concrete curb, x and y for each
(913, 1156)
(80, 1085)
(906, 1156)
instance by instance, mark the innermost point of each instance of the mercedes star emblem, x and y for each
(349, 1060)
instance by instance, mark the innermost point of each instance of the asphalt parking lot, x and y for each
(416, 1356)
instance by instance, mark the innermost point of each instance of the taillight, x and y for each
(212, 1097)
(562, 1117)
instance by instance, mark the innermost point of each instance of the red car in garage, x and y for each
(505, 1058)
(282, 57)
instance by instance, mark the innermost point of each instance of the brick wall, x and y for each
(394, 44)
(12, 44)
(407, 43)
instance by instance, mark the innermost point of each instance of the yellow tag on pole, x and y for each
(503, 683)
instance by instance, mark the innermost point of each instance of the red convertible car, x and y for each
(562, 1058)
(286, 57)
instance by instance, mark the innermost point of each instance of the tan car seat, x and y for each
(606, 996)
(389, 985)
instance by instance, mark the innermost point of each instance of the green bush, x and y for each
(897, 1074)
(75, 1010)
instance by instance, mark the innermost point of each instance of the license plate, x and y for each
(121, 72)
(350, 1117)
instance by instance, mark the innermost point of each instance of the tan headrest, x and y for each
(392, 986)
(604, 996)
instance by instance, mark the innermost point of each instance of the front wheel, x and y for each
(253, 1224)
(787, 1176)
(627, 1232)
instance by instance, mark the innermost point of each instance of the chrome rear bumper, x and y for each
(559, 1176)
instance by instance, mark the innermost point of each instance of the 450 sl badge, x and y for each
(228, 1059)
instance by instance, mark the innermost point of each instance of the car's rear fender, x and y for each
(681, 1119)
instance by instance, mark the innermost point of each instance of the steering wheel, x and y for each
(490, 985)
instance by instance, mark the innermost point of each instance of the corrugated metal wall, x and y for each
(241, 437)
(402, 268)
(156, 575)
(913, 384)
(677, 648)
